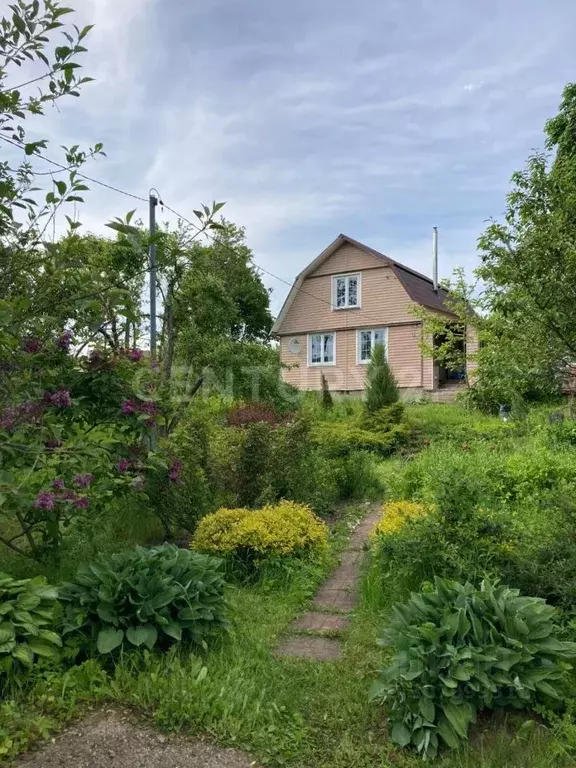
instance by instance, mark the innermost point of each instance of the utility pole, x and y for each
(435, 258)
(152, 255)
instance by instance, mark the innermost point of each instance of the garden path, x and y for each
(317, 633)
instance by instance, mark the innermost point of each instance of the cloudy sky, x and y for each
(376, 118)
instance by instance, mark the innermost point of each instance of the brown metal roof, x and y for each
(419, 287)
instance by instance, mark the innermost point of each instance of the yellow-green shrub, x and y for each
(396, 513)
(285, 529)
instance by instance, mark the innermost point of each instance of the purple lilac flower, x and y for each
(31, 345)
(128, 406)
(81, 502)
(83, 481)
(135, 354)
(45, 500)
(64, 340)
(29, 411)
(58, 484)
(69, 495)
(124, 465)
(61, 398)
(174, 471)
(149, 407)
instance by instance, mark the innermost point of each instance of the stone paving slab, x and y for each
(313, 621)
(336, 599)
(307, 647)
(338, 594)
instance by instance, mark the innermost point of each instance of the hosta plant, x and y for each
(26, 620)
(460, 650)
(145, 597)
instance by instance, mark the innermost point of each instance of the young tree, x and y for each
(381, 386)
(327, 401)
(444, 338)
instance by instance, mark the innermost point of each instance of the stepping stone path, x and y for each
(316, 634)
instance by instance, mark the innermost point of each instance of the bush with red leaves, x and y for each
(250, 413)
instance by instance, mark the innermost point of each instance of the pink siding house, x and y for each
(348, 299)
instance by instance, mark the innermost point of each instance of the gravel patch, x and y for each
(114, 739)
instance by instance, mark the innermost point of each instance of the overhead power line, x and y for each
(20, 145)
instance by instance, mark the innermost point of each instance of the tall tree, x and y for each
(529, 260)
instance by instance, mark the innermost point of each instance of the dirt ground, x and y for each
(112, 738)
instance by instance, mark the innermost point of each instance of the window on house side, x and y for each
(366, 341)
(346, 291)
(321, 349)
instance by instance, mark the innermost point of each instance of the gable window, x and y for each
(321, 349)
(346, 291)
(367, 340)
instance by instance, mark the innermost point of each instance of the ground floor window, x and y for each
(321, 349)
(366, 341)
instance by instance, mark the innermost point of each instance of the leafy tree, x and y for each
(443, 337)
(529, 261)
(74, 427)
(381, 387)
(221, 296)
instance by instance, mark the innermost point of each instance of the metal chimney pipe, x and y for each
(435, 258)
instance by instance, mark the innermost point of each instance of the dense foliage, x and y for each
(381, 386)
(26, 621)
(145, 597)
(254, 536)
(460, 650)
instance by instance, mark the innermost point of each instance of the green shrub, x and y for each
(356, 476)
(467, 547)
(262, 463)
(342, 438)
(181, 498)
(460, 650)
(145, 597)
(254, 537)
(383, 419)
(26, 621)
(381, 386)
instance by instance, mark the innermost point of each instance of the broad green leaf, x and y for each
(459, 716)
(145, 634)
(42, 648)
(7, 632)
(447, 733)
(23, 653)
(427, 709)
(400, 734)
(109, 639)
(173, 630)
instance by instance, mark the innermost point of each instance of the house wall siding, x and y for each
(383, 301)
(404, 356)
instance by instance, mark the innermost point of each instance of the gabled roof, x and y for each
(418, 287)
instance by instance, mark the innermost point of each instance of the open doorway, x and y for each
(453, 370)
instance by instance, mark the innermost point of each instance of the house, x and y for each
(348, 299)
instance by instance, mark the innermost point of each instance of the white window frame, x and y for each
(358, 276)
(309, 353)
(372, 331)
